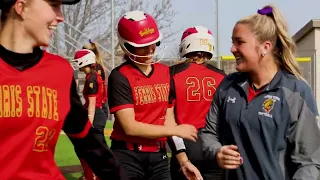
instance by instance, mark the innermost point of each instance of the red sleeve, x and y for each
(88, 142)
(119, 92)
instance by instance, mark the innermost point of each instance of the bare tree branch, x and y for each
(93, 19)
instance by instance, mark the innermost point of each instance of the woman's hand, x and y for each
(228, 157)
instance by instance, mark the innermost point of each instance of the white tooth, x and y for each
(53, 27)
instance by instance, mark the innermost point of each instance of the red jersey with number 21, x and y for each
(33, 106)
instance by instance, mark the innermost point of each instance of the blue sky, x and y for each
(296, 12)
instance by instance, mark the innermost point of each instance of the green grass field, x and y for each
(65, 155)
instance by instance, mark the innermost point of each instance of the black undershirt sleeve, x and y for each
(88, 142)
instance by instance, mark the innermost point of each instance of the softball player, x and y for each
(140, 96)
(195, 84)
(38, 98)
(99, 68)
(93, 94)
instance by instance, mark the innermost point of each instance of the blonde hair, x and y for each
(195, 58)
(94, 48)
(273, 27)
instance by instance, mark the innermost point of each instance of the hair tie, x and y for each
(90, 41)
(265, 11)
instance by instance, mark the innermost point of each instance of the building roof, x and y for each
(314, 23)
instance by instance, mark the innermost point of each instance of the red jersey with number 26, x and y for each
(195, 85)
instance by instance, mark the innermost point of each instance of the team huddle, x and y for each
(257, 123)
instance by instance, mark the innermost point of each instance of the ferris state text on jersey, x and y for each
(34, 101)
(148, 94)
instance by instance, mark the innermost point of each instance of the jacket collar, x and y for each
(277, 81)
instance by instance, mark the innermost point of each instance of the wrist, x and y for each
(182, 158)
(176, 153)
(184, 163)
(171, 130)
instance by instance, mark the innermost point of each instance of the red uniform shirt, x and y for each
(195, 86)
(253, 92)
(38, 97)
(148, 95)
(93, 87)
(101, 72)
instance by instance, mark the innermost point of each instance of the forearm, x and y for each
(170, 122)
(210, 144)
(170, 119)
(91, 110)
(182, 158)
(150, 131)
(134, 127)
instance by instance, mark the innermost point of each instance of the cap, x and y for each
(6, 3)
(70, 2)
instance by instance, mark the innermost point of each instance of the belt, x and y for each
(157, 147)
(86, 107)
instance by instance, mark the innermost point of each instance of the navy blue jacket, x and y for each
(277, 133)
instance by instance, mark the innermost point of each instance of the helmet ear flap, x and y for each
(128, 47)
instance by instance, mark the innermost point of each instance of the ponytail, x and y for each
(94, 48)
(285, 46)
(270, 25)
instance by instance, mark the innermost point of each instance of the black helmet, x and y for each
(6, 3)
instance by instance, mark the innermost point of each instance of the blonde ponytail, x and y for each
(285, 45)
(94, 48)
(197, 57)
(273, 27)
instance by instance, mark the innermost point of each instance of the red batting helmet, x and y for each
(138, 29)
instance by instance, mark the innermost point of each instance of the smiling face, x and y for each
(246, 48)
(147, 51)
(40, 18)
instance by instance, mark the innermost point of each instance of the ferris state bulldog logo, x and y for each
(268, 105)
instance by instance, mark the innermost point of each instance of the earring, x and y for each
(263, 54)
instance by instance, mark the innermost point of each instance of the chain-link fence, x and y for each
(228, 64)
(306, 62)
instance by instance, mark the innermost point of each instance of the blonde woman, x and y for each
(262, 122)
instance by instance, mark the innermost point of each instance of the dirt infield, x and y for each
(70, 169)
(107, 132)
